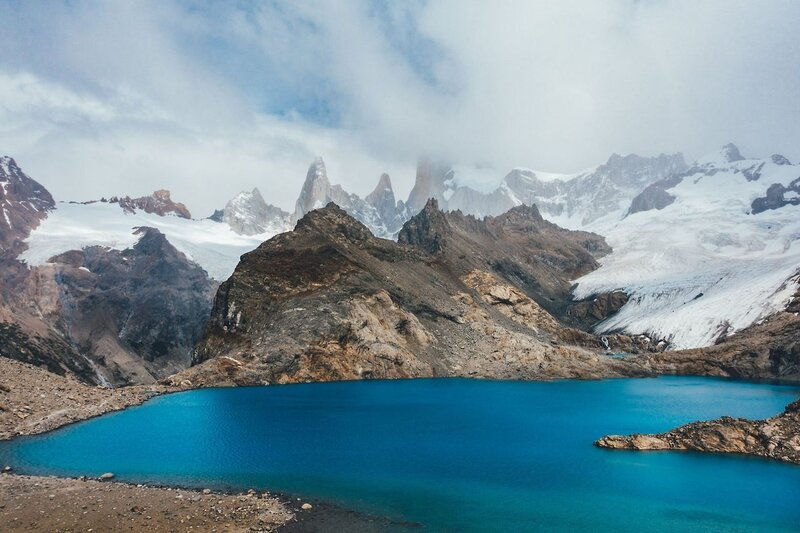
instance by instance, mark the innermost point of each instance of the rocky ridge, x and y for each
(331, 301)
(24, 202)
(136, 313)
(774, 438)
(378, 211)
(573, 201)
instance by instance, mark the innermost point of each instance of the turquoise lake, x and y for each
(450, 454)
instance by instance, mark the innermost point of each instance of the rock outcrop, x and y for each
(519, 246)
(159, 203)
(769, 350)
(137, 313)
(24, 202)
(774, 438)
(331, 301)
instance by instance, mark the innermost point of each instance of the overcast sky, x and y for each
(206, 99)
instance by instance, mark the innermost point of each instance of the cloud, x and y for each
(206, 99)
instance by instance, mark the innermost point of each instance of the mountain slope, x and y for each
(330, 301)
(136, 313)
(214, 246)
(24, 203)
(706, 260)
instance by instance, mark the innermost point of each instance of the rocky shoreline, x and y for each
(775, 438)
(33, 401)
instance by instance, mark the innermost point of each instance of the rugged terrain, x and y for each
(769, 350)
(331, 301)
(704, 253)
(60, 504)
(136, 313)
(774, 438)
(96, 313)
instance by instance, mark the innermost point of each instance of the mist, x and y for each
(104, 98)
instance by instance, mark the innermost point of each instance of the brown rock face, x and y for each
(519, 246)
(585, 313)
(136, 313)
(774, 438)
(770, 350)
(158, 203)
(330, 301)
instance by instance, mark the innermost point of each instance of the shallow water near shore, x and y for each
(450, 454)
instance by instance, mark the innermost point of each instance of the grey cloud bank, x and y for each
(102, 98)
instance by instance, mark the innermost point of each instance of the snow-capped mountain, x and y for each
(248, 214)
(378, 211)
(24, 203)
(573, 201)
(705, 252)
(74, 226)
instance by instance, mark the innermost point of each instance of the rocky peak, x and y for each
(159, 203)
(24, 202)
(151, 242)
(521, 215)
(429, 183)
(731, 153)
(778, 159)
(248, 214)
(316, 191)
(428, 229)
(382, 193)
(383, 200)
(334, 222)
(636, 171)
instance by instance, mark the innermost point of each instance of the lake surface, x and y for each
(451, 454)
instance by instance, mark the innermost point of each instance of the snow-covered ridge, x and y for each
(214, 246)
(248, 214)
(705, 265)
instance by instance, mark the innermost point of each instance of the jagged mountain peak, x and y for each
(523, 212)
(779, 159)
(333, 221)
(427, 229)
(248, 213)
(429, 182)
(384, 185)
(731, 153)
(24, 202)
(316, 191)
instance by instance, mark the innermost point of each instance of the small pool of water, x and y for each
(451, 454)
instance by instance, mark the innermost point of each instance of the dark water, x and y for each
(454, 455)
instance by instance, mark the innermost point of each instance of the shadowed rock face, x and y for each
(773, 438)
(519, 246)
(330, 301)
(24, 203)
(778, 196)
(136, 313)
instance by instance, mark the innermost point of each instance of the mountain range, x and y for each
(692, 254)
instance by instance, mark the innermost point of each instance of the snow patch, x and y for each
(215, 247)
